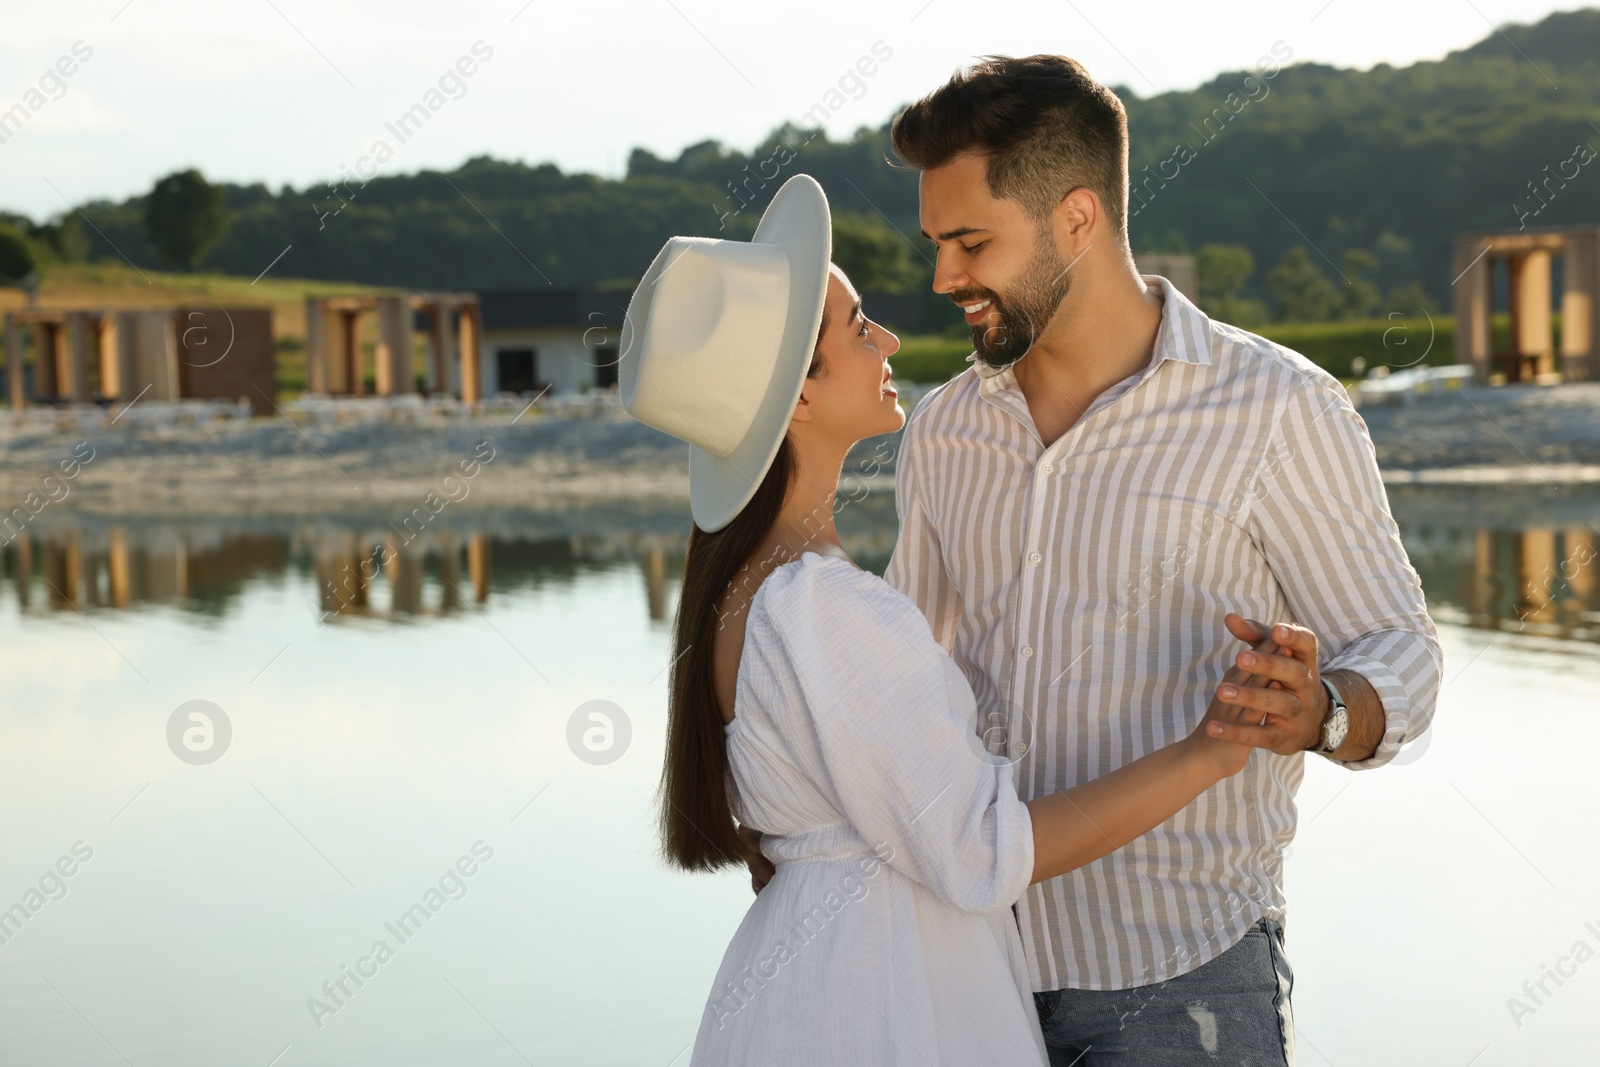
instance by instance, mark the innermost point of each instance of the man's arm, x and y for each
(1294, 710)
(1321, 516)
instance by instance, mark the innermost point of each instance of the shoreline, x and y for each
(1473, 437)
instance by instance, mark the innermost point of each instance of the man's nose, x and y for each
(945, 281)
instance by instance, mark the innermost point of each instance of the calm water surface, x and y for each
(388, 737)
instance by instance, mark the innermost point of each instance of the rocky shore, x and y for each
(279, 466)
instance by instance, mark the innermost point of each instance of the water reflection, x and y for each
(1516, 560)
(361, 571)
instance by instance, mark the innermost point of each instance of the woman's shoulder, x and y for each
(831, 591)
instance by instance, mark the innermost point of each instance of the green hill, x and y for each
(1391, 161)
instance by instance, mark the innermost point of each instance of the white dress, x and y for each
(886, 935)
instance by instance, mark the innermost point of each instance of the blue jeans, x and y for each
(1233, 1010)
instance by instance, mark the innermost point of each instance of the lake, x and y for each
(400, 763)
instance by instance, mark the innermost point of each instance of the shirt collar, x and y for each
(1184, 336)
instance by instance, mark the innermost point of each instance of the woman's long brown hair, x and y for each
(698, 830)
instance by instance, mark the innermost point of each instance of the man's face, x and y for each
(995, 262)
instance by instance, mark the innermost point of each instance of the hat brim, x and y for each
(797, 219)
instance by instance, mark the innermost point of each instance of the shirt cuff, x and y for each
(1396, 701)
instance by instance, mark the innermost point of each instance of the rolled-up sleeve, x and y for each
(917, 566)
(1321, 517)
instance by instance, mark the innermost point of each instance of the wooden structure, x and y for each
(101, 355)
(1529, 254)
(455, 338)
(61, 365)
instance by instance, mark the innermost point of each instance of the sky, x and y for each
(300, 91)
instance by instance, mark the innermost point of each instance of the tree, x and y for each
(874, 256)
(1223, 270)
(17, 258)
(1409, 299)
(1300, 290)
(184, 217)
(1361, 295)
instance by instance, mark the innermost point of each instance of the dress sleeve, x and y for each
(888, 719)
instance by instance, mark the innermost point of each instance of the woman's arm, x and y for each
(1082, 824)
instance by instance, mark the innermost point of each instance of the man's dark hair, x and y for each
(1045, 125)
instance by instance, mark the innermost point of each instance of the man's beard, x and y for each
(1025, 311)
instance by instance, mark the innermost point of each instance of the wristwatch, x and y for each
(1337, 724)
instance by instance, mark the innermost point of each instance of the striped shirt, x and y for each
(1081, 588)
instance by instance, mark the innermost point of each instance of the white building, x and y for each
(566, 339)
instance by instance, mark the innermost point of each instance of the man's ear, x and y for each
(1074, 220)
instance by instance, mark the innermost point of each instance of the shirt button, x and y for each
(1048, 467)
(1027, 651)
(1036, 557)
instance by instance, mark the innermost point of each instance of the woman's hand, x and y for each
(1227, 757)
(761, 868)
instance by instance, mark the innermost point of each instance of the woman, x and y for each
(811, 709)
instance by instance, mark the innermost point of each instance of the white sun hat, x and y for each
(716, 343)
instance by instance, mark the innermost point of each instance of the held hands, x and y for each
(1210, 738)
(1289, 705)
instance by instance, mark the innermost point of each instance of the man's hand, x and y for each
(1232, 755)
(1293, 705)
(761, 868)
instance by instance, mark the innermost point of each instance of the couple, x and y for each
(1026, 800)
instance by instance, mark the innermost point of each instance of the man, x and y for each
(1081, 509)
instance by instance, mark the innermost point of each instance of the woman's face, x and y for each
(851, 397)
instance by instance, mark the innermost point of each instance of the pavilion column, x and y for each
(348, 356)
(316, 346)
(471, 360)
(1580, 308)
(443, 380)
(394, 346)
(1473, 308)
(75, 376)
(46, 360)
(1532, 340)
(16, 383)
(111, 378)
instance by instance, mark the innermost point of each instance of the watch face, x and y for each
(1338, 726)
